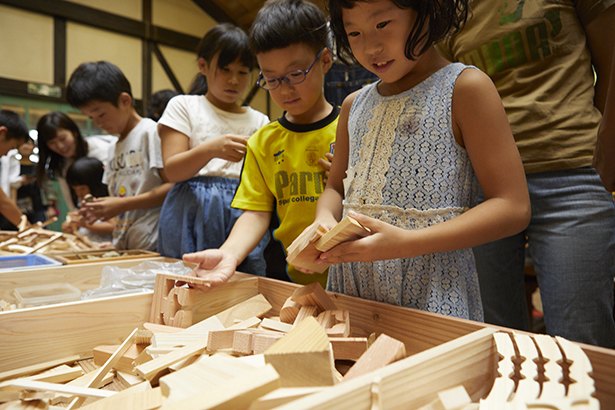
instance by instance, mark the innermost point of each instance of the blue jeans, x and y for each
(197, 215)
(571, 241)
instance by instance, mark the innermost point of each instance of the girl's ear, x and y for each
(327, 60)
(203, 66)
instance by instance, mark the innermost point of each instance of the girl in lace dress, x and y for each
(411, 152)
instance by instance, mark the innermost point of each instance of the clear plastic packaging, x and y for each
(140, 278)
(47, 294)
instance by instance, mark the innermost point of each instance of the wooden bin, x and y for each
(443, 351)
(80, 257)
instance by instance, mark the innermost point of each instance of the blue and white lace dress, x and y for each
(406, 168)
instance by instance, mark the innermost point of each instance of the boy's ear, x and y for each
(3, 132)
(125, 100)
(327, 60)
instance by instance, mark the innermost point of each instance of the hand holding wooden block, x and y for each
(304, 250)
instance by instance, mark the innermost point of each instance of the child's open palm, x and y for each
(214, 265)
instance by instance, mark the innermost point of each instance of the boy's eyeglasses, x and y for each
(292, 78)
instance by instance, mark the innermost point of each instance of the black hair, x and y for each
(441, 17)
(158, 102)
(96, 81)
(232, 44)
(281, 23)
(88, 171)
(47, 127)
(16, 128)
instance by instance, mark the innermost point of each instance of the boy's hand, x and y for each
(385, 242)
(230, 147)
(101, 209)
(215, 265)
(325, 163)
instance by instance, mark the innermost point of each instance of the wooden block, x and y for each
(60, 374)
(276, 325)
(303, 357)
(36, 368)
(82, 381)
(302, 252)
(304, 312)
(195, 379)
(339, 323)
(106, 367)
(124, 363)
(348, 348)
(242, 342)
(553, 372)
(348, 229)
(504, 385)
(313, 295)
(129, 379)
(582, 389)
(289, 311)
(255, 306)
(196, 333)
(262, 342)
(23, 384)
(282, 396)
(140, 396)
(245, 324)
(383, 351)
(220, 339)
(528, 387)
(152, 369)
(237, 393)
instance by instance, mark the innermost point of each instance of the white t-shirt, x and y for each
(133, 170)
(200, 120)
(9, 171)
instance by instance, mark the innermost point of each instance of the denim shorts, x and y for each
(197, 215)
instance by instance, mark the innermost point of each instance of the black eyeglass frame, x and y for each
(264, 83)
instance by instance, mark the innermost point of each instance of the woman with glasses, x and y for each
(203, 145)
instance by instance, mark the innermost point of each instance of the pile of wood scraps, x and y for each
(238, 358)
(35, 239)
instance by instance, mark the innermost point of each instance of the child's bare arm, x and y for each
(108, 207)
(482, 126)
(9, 209)
(182, 162)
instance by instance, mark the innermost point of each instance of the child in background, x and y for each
(203, 145)
(13, 133)
(284, 169)
(60, 142)
(85, 177)
(134, 176)
(410, 152)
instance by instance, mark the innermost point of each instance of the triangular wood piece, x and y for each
(385, 350)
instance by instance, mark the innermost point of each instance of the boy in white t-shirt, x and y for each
(137, 184)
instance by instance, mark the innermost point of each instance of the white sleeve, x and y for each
(177, 116)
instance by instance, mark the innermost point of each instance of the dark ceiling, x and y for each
(239, 12)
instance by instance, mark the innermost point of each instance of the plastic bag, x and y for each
(140, 278)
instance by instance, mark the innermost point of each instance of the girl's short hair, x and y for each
(230, 41)
(88, 171)
(442, 18)
(47, 128)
